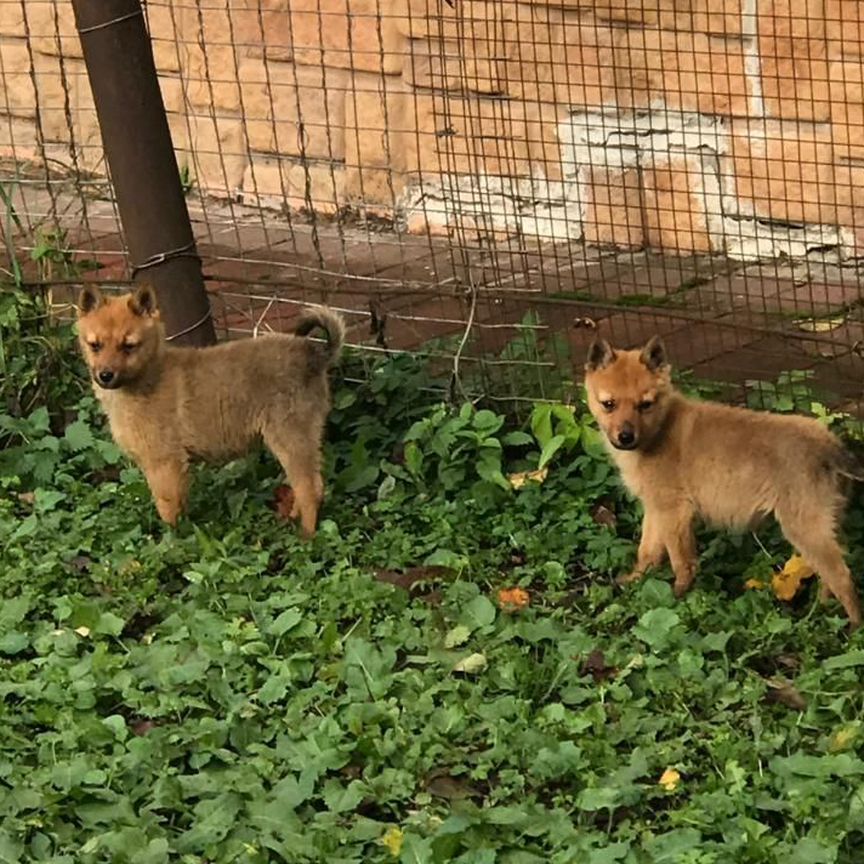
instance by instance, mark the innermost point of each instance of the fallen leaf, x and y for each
(82, 631)
(80, 563)
(783, 692)
(473, 664)
(843, 738)
(407, 579)
(824, 325)
(787, 582)
(141, 727)
(283, 502)
(754, 585)
(602, 515)
(513, 599)
(520, 478)
(595, 666)
(393, 839)
(27, 497)
(669, 780)
(451, 788)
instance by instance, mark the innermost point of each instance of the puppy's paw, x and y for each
(628, 578)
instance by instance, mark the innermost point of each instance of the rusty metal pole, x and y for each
(137, 141)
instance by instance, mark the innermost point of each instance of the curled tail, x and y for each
(322, 355)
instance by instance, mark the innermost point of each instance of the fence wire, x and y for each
(491, 183)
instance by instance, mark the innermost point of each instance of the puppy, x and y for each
(168, 406)
(729, 466)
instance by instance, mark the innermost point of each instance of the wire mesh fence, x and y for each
(491, 182)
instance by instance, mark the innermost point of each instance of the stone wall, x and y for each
(685, 125)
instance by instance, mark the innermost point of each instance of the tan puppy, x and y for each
(170, 406)
(730, 466)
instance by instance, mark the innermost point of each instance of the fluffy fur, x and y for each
(729, 466)
(170, 406)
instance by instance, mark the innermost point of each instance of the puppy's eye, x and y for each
(645, 405)
(95, 347)
(128, 347)
(608, 404)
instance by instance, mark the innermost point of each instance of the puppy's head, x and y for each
(628, 392)
(119, 336)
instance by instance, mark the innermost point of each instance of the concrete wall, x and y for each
(687, 125)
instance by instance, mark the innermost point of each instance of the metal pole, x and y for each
(137, 141)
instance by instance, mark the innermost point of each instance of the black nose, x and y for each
(626, 438)
(106, 376)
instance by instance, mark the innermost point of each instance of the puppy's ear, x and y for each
(143, 301)
(89, 300)
(654, 354)
(600, 355)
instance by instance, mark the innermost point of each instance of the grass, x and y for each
(225, 692)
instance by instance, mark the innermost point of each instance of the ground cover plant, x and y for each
(445, 674)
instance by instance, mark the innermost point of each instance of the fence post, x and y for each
(137, 142)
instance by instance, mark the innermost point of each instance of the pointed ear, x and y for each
(654, 354)
(143, 301)
(600, 355)
(89, 299)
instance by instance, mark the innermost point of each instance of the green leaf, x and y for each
(274, 688)
(79, 436)
(668, 848)
(286, 621)
(478, 612)
(517, 439)
(655, 627)
(457, 636)
(844, 661)
(550, 448)
(109, 624)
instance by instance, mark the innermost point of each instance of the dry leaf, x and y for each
(602, 515)
(669, 780)
(787, 582)
(843, 738)
(444, 786)
(824, 325)
(520, 478)
(513, 599)
(27, 497)
(393, 839)
(754, 585)
(785, 693)
(407, 579)
(595, 666)
(283, 502)
(82, 631)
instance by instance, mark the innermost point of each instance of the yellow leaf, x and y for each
(843, 738)
(393, 839)
(520, 478)
(82, 631)
(669, 780)
(824, 325)
(754, 584)
(787, 582)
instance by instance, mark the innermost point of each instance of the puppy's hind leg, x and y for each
(300, 459)
(813, 532)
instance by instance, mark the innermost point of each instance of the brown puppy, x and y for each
(730, 466)
(170, 406)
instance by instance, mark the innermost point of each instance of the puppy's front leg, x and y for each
(169, 482)
(652, 549)
(681, 545)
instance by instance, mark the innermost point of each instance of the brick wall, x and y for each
(686, 125)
